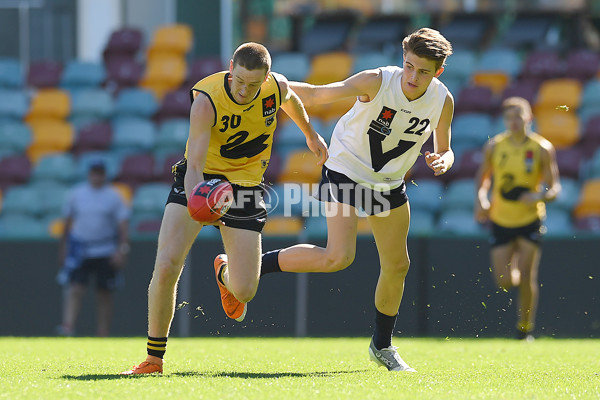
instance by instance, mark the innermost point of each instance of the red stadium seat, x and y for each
(14, 170)
(583, 64)
(137, 169)
(96, 136)
(475, 99)
(44, 74)
(175, 104)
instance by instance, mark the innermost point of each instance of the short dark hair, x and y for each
(428, 43)
(252, 56)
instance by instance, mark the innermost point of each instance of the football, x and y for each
(210, 200)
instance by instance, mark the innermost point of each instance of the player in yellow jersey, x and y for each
(520, 168)
(232, 120)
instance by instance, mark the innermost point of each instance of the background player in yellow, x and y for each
(520, 168)
(232, 119)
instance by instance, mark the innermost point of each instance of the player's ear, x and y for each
(231, 66)
(439, 72)
(267, 75)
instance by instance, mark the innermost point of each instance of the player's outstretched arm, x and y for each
(364, 85)
(441, 160)
(202, 118)
(293, 106)
(483, 182)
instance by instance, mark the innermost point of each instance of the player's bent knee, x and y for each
(398, 268)
(339, 261)
(167, 271)
(244, 293)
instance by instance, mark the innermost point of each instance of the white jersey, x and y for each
(379, 141)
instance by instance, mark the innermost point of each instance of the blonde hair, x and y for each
(519, 103)
(428, 43)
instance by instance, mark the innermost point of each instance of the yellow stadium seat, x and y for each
(125, 191)
(496, 81)
(558, 92)
(164, 74)
(56, 228)
(331, 111)
(49, 104)
(559, 127)
(330, 67)
(171, 39)
(49, 136)
(301, 167)
(589, 200)
(283, 226)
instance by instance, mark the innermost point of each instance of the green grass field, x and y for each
(287, 368)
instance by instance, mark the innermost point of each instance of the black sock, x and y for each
(270, 262)
(157, 346)
(384, 328)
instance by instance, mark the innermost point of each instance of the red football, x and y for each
(210, 200)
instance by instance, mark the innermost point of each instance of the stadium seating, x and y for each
(137, 169)
(583, 64)
(425, 195)
(475, 99)
(82, 75)
(363, 61)
(568, 197)
(200, 68)
(149, 199)
(557, 92)
(496, 81)
(458, 222)
(135, 102)
(467, 31)
(175, 104)
(122, 73)
(13, 104)
(590, 138)
(380, 33)
(559, 127)
(91, 137)
(59, 167)
(473, 129)
(460, 195)
(22, 227)
(164, 74)
(49, 137)
(460, 65)
(11, 75)
(15, 137)
(174, 40)
(135, 134)
(294, 66)
(316, 228)
(173, 134)
(499, 60)
(14, 170)
(543, 64)
(21, 200)
(569, 161)
(422, 222)
(49, 103)
(330, 32)
(44, 74)
(558, 222)
(278, 225)
(110, 160)
(91, 105)
(329, 67)
(528, 31)
(123, 43)
(589, 199)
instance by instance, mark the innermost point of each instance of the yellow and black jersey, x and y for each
(517, 168)
(242, 134)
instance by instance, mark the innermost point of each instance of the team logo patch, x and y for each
(269, 105)
(269, 120)
(529, 161)
(386, 116)
(264, 163)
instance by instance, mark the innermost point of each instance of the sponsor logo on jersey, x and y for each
(269, 120)
(386, 116)
(269, 105)
(264, 163)
(249, 108)
(529, 161)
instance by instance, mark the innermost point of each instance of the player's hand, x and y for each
(482, 212)
(317, 145)
(436, 163)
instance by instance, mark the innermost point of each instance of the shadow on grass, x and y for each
(228, 374)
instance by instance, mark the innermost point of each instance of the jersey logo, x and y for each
(248, 109)
(237, 148)
(269, 121)
(268, 105)
(386, 116)
(529, 161)
(508, 189)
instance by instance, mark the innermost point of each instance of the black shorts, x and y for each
(532, 232)
(248, 210)
(107, 277)
(336, 187)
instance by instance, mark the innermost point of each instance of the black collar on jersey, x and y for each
(228, 90)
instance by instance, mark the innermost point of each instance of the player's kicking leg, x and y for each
(238, 271)
(177, 234)
(390, 234)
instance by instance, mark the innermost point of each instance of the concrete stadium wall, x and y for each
(449, 292)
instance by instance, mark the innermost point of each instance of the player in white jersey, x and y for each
(373, 146)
